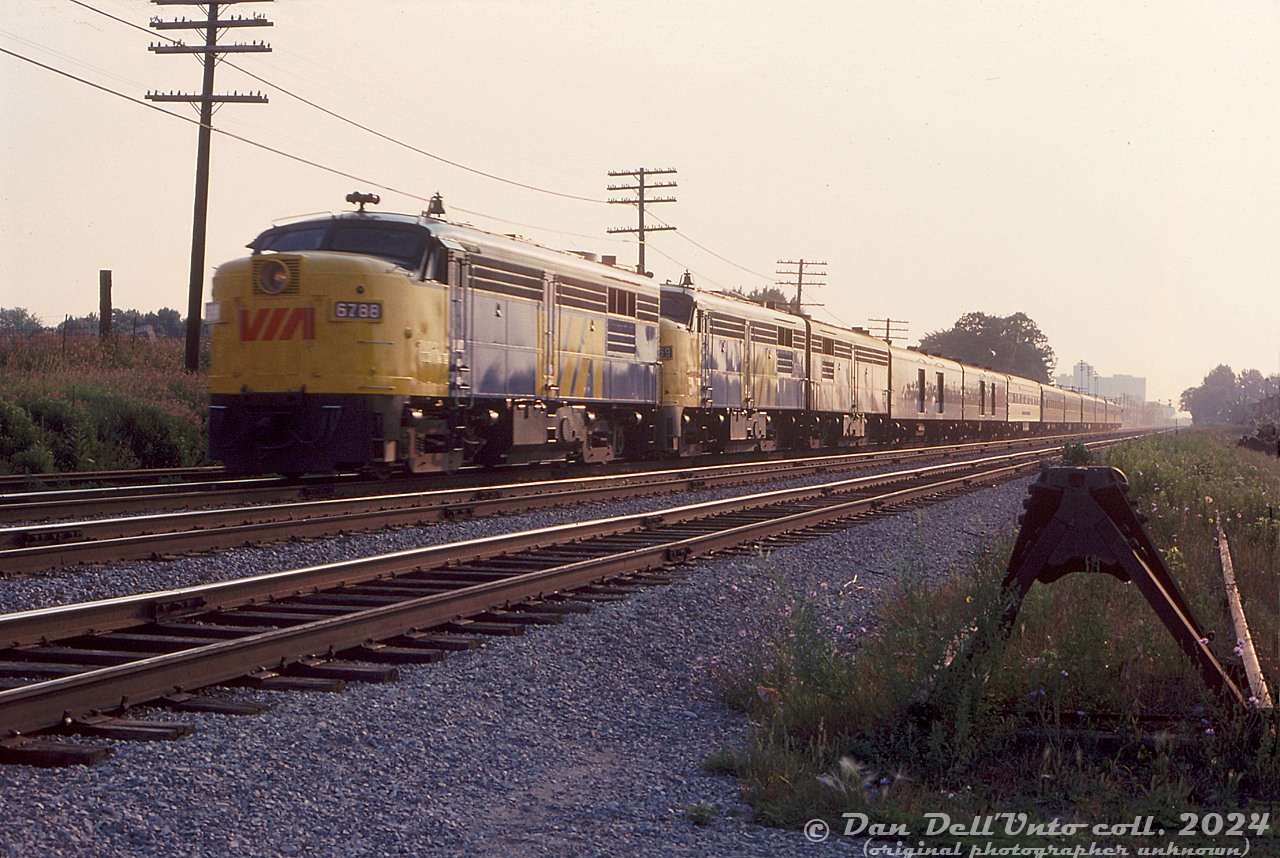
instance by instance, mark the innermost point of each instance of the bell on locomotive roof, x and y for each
(436, 207)
(686, 279)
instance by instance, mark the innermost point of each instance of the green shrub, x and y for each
(17, 431)
(82, 405)
(1076, 454)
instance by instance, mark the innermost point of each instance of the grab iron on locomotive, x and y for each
(377, 341)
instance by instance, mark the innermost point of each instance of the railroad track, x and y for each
(74, 479)
(80, 668)
(24, 504)
(57, 497)
(34, 548)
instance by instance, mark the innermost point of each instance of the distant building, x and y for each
(1116, 386)
(1085, 379)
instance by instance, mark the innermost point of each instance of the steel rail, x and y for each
(111, 614)
(60, 505)
(24, 482)
(29, 549)
(45, 704)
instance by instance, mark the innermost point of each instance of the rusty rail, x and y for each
(1244, 640)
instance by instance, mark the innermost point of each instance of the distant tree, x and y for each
(125, 322)
(767, 295)
(1012, 344)
(1253, 387)
(80, 325)
(165, 322)
(1225, 397)
(17, 321)
(1218, 400)
(168, 322)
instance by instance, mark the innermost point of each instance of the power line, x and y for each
(640, 202)
(713, 253)
(692, 270)
(364, 128)
(232, 135)
(115, 18)
(413, 148)
(362, 180)
(73, 60)
(278, 151)
(376, 133)
(209, 54)
(894, 329)
(427, 154)
(799, 275)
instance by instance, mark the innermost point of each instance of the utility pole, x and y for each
(104, 304)
(640, 187)
(894, 329)
(799, 281)
(208, 54)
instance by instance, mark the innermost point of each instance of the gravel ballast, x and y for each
(585, 738)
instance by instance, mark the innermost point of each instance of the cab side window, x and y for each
(436, 265)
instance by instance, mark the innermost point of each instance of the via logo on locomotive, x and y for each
(277, 323)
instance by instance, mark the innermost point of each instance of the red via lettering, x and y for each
(277, 323)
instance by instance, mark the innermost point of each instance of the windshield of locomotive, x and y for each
(402, 245)
(290, 240)
(678, 307)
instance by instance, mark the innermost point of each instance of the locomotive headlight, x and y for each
(273, 277)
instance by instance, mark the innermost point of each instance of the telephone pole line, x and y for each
(209, 56)
(640, 201)
(894, 329)
(799, 281)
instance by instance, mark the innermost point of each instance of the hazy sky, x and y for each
(1108, 168)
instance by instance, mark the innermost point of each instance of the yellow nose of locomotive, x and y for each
(333, 323)
(313, 356)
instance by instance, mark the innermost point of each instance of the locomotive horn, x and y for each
(357, 197)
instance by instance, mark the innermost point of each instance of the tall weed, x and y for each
(81, 404)
(1066, 715)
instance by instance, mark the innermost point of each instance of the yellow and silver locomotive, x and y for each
(738, 376)
(380, 341)
(366, 340)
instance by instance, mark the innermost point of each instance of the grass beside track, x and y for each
(83, 404)
(832, 730)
